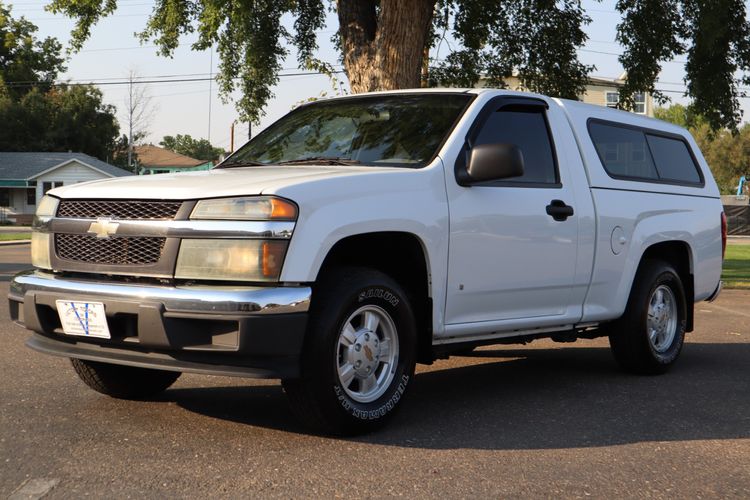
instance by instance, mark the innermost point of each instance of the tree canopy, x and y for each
(725, 152)
(25, 61)
(61, 119)
(200, 149)
(384, 44)
(36, 115)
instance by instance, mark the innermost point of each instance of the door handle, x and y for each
(559, 210)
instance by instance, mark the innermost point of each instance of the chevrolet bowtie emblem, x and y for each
(368, 353)
(103, 228)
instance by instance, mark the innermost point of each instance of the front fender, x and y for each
(411, 201)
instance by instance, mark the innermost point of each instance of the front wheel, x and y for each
(359, 353)
(123, 382)
(649, 337)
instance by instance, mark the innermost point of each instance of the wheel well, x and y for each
(402, 257)
(678, 254)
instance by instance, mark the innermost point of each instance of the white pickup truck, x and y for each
(358, 236)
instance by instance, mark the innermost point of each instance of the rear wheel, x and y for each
(359, 353)
(123, 382)
(649, 336)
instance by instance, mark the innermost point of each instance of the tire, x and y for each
(124, 382)
(650, 335)
(350, 382)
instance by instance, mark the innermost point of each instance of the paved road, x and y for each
(545, 420)
(13, 258)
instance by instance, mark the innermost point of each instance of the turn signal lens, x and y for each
(40, 241)
(40, 250)
(47, 206)
(247, 208)
(283, 210)
(273, 257)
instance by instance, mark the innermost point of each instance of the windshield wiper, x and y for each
(325, 160)
(243, 163)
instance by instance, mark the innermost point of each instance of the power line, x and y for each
(108, 49)
(619, 54)
(104, 82)
(45, 10)
(44, 19)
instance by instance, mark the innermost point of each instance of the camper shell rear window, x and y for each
(644, 155)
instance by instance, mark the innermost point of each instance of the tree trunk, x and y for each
(384, 47)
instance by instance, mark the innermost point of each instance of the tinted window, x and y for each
(528, 131)
(623, 151)
(673, 160)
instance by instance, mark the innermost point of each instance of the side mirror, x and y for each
(491, 162)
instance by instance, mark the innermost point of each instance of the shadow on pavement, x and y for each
(536, 399)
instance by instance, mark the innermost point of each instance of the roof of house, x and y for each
(22, 166)
(151, 156)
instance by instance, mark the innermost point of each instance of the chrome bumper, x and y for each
(228, 330)
(193, 298)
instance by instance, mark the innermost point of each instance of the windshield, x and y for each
(403, 130)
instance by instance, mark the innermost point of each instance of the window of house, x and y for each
(613, 99)
(639, 99)
(4, 197)
(528, 130)
(58, 184)
(46, 186)
(31, 197)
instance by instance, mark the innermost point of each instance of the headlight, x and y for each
(40, 242)
(247, 208)
(231, 260)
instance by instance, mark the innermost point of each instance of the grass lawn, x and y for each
(736, 272)
(14, 236)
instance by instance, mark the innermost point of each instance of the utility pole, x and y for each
(131, 110)
(210, 89)
(138, 114)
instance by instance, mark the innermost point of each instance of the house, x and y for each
(600, 91)
(25, 177)
(155, 160)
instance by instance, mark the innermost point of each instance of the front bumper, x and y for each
(222, 330)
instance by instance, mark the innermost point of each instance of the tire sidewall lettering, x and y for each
(365, 412)
(379, 293)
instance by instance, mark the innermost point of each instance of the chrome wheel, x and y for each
(367, 353)
(662, 319)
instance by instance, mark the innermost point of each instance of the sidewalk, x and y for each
(15, 229)
(738, 240)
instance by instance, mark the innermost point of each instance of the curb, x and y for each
(14, 243)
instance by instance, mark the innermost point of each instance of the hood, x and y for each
(244, 181)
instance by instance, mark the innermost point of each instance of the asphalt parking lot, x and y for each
(542, 420)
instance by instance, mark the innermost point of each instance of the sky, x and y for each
(113, 51)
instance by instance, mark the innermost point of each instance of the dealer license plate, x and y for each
(85, 319)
